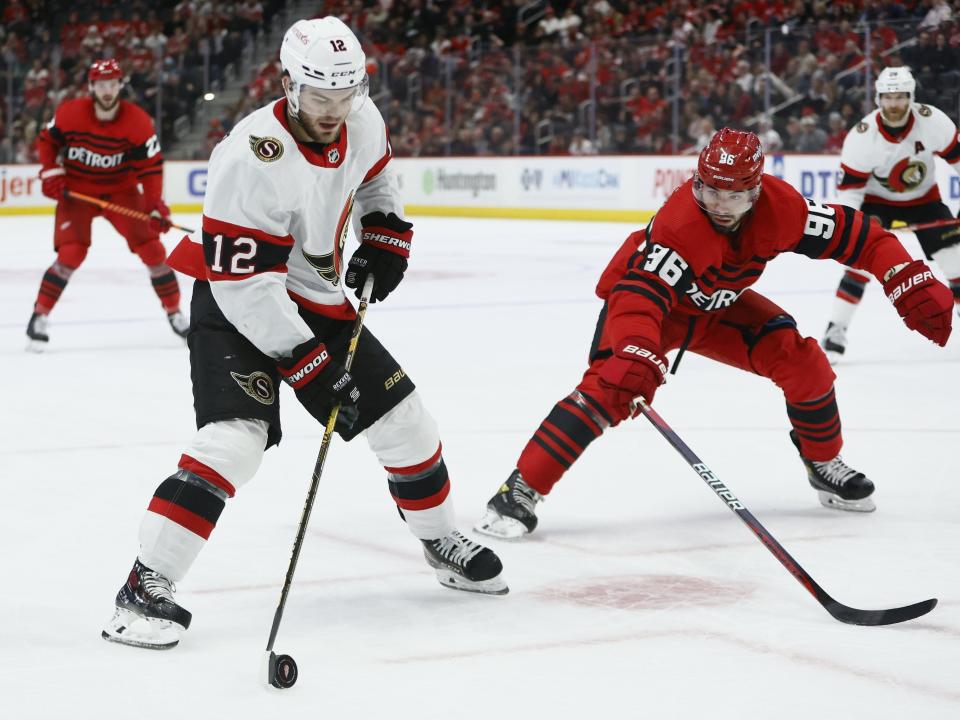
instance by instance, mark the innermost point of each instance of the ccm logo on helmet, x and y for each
(909, 283)
(647, 355)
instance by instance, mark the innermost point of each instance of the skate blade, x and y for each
(496, 525)
(493, 586)
(835, 502)
(36, 346)
(128, 628)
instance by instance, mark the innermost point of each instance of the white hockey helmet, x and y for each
(323, 53)
(892, 80)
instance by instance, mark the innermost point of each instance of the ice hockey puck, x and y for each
(284, 673)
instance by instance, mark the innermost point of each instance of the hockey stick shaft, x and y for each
(119, 209)
(838, 610)
(929, 225)
(318, 467)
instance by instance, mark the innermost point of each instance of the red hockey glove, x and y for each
(924, 303)
(53, 182)
(633, 371)
(159, 216)
(320, 382)
(384, 249)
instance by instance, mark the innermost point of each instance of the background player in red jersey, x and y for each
(107, 147)
(683, 282)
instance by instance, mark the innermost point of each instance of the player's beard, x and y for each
(104, 106)
(900, 119)
(317, 133)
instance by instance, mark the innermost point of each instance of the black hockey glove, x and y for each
(320, 382)
(384, 249)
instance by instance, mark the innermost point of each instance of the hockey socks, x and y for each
(563, 436)
(166, 287)
(421, 493)
(817, 425)
(849, 295)
(51, 287)
(182, 513)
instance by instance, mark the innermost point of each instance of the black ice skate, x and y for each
(834, 342)
(179, 323)
(146, 615)
(511, 513)
(462, 564)
(37, 332)
(839, 486)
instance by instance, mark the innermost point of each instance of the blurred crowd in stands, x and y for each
(46, 48)
(479, 77)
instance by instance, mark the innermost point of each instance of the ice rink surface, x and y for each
(640, 595)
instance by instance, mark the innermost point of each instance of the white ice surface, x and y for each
(640, 596)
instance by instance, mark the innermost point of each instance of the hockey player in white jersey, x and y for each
(888, 166)
(268, 305)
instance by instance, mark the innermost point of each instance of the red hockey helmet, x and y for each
(104, 70)
(727, 181)
(733, 160)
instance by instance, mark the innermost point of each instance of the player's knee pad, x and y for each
(151, 252)
(949, 261)
(795, 363)
(71, 255)
(405, 436)
(226, 453)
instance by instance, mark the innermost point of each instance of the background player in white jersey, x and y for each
(268, 305)
(889, 172)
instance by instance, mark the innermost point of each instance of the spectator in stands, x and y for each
(837, 132)
(812, 139)
(580, 145)
(769, 137)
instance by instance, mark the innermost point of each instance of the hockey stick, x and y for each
(928, 225)
(120, 209)
(282, 670)
(841, 612)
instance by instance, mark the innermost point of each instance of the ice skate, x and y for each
(834, 342)
(37, 333)
(462, 564)
(179, 323)
(838, 485)
(146, 615)
(511, 513)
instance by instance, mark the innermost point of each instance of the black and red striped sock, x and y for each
(563, 436)
(817, 423)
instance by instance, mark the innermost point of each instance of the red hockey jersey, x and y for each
(681, 264)
(103, 157)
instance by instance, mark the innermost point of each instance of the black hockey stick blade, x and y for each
(838, 611)
(853, 616)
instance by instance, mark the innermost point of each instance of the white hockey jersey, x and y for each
(880, 168)
(275, 218)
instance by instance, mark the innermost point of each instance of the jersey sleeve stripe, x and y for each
(634, 277)
(219, 227)
(653, 297)
(378, 166)
(861, 241)
(855, 173)
(229, 277)
(952, 152)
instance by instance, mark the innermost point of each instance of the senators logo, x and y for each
(257, 385)
(330, 265)
(266, 149)
(905, 176)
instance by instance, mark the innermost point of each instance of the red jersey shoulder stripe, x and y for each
(220, 227)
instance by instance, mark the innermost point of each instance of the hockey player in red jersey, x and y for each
(684, 282)
(888, 167)
(269, 306)
(107, 147)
